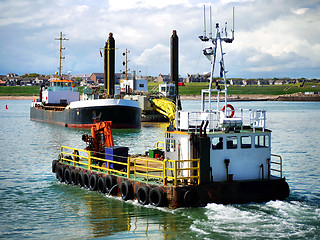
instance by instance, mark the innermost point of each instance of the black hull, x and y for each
(121, 116)
(228, 192)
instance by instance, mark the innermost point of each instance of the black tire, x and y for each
(126, 190)
(93, 182)
(74, 177)
(54, 164)
(156, 197)
(80, 179)
(190, 198)
(60, 174)
(57, 169)
(67, 176)
(86, 180)
(110, 182)
(101, 185)
(143, 195)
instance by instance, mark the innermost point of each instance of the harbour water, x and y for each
(33, 204)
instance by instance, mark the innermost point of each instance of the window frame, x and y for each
(245, 145)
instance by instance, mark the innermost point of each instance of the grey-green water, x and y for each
(33, 204)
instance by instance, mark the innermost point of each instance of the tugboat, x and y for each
(60, 102)
(215, 155)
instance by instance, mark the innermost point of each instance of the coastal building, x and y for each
(236, 82)
(97, 78)
(197, 78)
(163, 78)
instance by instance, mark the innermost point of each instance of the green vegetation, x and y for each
(195, 89)
(19, 90)
(31, 75)
(190, 89)
(23, 90)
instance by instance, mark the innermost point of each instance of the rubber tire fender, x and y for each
(57, 169)
(126, 190)
(86, 180)
(54, 164)
(101, 185)
(67, 176)
(143, 195)
(110, 182)
(80, 179)
(156, 197)
(191, 198)
(60, 174)
(93, 182)
(74, 177)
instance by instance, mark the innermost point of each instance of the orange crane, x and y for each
(96, 142)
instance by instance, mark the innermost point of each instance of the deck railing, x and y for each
(192, 120)
(184, 174)
(276, 166)
(160, 145)
(183, 171)
(148, 168)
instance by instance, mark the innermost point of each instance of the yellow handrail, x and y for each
(157, 145)
(146, 167)
(188, 169)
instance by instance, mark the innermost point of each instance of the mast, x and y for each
(60, 54)
(125, 63)
(211, 54)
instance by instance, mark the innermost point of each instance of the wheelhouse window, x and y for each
(246, 142)
(232, 142)
(262, 141)
(217, 143)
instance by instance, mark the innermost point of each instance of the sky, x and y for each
(273, 38)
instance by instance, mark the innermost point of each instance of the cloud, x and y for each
(272, 38)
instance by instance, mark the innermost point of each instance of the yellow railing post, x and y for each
(61, 150)
(134, 168)
(175, 173)
(89, 160)
(147, 171)
(128, 167)
(74, 153)
(164, 165)
(198, 172)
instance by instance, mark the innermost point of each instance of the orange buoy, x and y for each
(6, 107)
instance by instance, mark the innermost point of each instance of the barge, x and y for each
(60, 102)
(217, 154)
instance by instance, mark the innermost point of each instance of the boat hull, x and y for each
(83, 117)
(226, 192)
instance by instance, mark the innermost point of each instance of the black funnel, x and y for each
(109, 65)
(174, 59)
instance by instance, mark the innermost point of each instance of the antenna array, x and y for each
(206, 38)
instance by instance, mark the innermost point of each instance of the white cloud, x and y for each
(300, 11)
(271, 37)
(159, 54)
(121, 5)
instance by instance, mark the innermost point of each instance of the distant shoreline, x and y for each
(16, 97)
(258, 97)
